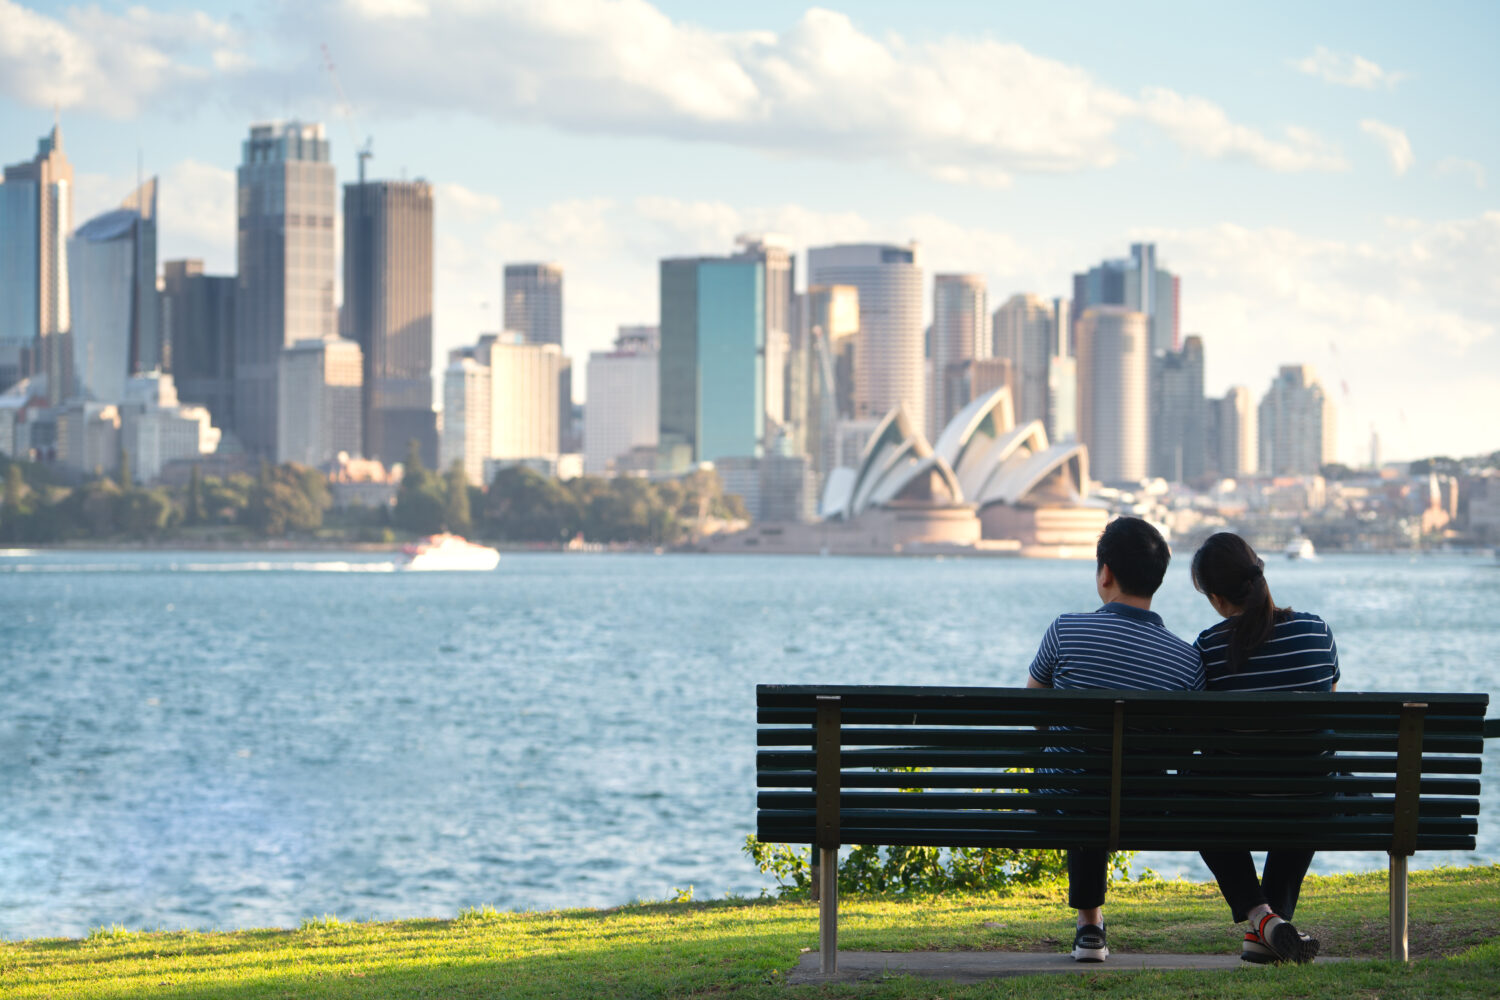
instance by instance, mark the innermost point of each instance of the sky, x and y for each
(1322, 177)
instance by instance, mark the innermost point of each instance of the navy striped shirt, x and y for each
(1117, 647)
(1299, 656)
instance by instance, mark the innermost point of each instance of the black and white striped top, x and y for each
(1116, 647)
(1299, 656)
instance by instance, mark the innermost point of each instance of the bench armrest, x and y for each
(1492, 729)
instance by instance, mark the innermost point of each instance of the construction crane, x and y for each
(366, 151)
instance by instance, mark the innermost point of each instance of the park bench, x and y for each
(1147, 770)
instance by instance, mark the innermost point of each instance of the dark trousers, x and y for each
(1278, 887)
(1088, 874)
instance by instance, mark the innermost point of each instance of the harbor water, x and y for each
(235, 740)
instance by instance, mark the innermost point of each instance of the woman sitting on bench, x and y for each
(1260, 647)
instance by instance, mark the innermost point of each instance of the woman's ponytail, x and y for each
(1227, 567)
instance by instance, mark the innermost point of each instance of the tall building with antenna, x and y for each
(36, 216)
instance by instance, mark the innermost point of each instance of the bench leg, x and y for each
(1398, 908)
(828, 910)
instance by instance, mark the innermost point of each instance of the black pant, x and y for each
(1278, 887)
(1088, 874)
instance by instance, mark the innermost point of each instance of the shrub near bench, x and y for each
(1156, 771)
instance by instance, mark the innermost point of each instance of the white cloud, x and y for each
(1393, 140)
(110, 63)
(1455, 165)
(1205, 128)
(1348, 70)
(966, 110)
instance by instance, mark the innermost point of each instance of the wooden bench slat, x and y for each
(1244, 716)
(923, 757)
(1186, 741)
(1352, 784)
(1208, 840)
(1216, 804)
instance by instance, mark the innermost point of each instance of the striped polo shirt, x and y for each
(1117, 647)
(1299, 656)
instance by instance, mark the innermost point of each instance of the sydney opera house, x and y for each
(986, 486)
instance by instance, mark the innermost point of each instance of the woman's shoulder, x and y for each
(1301, 622)
(1215, 633)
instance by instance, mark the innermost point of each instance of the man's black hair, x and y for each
(1135, 553)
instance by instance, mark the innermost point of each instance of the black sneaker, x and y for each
(1280, 942)
(1088, 944)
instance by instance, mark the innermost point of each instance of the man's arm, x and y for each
(1032, 682)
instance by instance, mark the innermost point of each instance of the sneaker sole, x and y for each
(1090, 954)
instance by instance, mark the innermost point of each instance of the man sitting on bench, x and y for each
(1122, 645)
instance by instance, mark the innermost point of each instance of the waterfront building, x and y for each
(785, 395)
(890, 369)
(157, 428)
(388, 269)
(1062, 397)
(285, 253)
(533, 297)
(36, 216)
(500, 403)
(960, 334)
(197, 312)
(113, 301)
(969, 380)
(712, 379)
(1179, 414)
(622, 403)
(1113, 367)
(827, 328)
(1026, 336)
(466, 415)
(1235, 426)
(320, 401)
(82, 435)
(1296, 425)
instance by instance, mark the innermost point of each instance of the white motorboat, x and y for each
(447, 552)
(1301, 547)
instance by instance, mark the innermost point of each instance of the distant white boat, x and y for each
(447, 552)
(1301, 547)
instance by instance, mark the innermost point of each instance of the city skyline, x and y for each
(1360, 242)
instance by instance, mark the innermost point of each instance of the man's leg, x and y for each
(1088, 873)
(1282, 881)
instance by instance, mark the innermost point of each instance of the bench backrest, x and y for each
(1145, 771)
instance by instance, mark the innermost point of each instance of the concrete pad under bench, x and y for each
(978, 966)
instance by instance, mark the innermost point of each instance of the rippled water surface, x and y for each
(208, 740)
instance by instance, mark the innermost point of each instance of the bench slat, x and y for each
(1220, 805)
(1130, 841)
(1184, 740)
(1351, 784)
(924, 757)
(1030, 715)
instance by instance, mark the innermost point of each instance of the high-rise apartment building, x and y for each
(1113, 370)
(197, 312)
(1179, 414)
(36, 216)
(320, 401)
(1234, 424)
(960, 334)
(113, 302)
(713, 337)
(891, 368)
(1296, 426)
(387, 310)
(623, 398)
(1025, 335)
(784, 348)
(285, 250)
(466, 415)
(533, 297)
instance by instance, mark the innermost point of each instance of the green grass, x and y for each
(743, 949)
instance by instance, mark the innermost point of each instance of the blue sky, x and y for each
(1321, 176)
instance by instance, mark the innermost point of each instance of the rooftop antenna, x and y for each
(345, 110)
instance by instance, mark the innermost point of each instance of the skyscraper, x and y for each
(500, 402)
(198, 326)
(960, 333)
(388, 311)
(36, 216)
(533, 297)
(891, 365)
(1235, 424)
(713, 338)
(1025, 335)
(1113, 368)
(285, 251)
(783, 345)
(828, 321)
(1296, 424)
(623, 398)
(1179, 414)
(1137, 283)
(116, 318)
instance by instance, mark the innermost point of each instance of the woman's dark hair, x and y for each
(1227, 567)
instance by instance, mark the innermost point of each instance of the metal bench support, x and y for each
(1398, 908)
(1404, 832)
(827, 745)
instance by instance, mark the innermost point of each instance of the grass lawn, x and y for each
(742, 949)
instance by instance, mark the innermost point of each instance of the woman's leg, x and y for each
(1282, 881)
(1235, 871)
